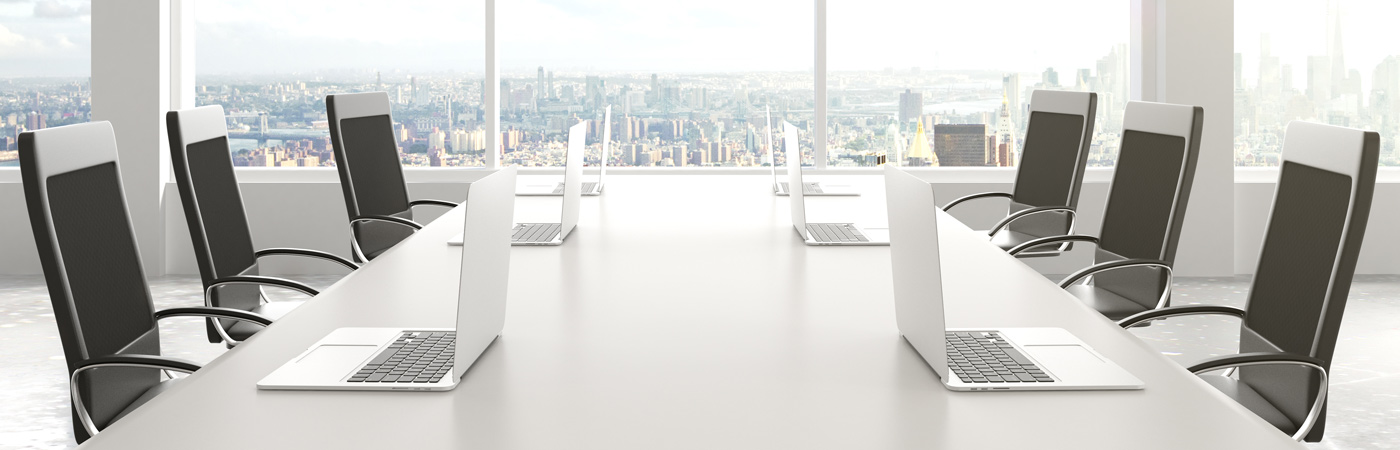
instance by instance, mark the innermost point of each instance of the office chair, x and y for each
(367, 158)
(1046, 191)
(106, 321)
(223, 244)
(1142, 220)
(1294, 310)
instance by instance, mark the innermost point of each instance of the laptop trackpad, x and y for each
(334, 359)
(1066, 362)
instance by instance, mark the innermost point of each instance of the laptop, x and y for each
(976, 359)
(423, 359)
(823, 233)
(554, 233)
(590, 188)
(810, 188)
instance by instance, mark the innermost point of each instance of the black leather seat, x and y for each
(1294, 312)
(1143, 216)
(77, 208)
(1048, 176)
(218, 224)
(371, 177)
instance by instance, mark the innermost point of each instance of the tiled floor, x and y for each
(1364, 411)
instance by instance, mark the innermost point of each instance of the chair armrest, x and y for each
(390, 219)
(1018, 215)
(953, 203)
(261, 281)
(1052, 240)
(1183, 310)
(254, 280)
(1271, 358)
(308, 253)
(355, 239)
(139, 361)
(210, 311)
(431, 202)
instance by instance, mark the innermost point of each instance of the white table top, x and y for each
(684, 313)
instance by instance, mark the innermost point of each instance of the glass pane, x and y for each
(44, 81)
(272, 72)
(1328, 61)
(963, 72)
(688, 81)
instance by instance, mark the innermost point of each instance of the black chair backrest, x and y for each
(77, 207)
(367, 158)
(1148, 197)
(1053, 156)
(223, 244)
(1311, 242)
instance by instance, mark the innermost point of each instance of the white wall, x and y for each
(18, 256)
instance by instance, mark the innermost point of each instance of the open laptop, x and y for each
(822, 233)
(554, 233)
(977, 359)
(590, 188)
(423, 359)
(810, 188)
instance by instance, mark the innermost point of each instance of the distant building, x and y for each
(911, 106)
(960, 144)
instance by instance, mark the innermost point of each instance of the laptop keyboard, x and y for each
(807, 188)
(535, 232)
(588, 186)
(415, 357)
(986, 357)
(835, 232)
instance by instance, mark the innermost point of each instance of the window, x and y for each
(963, 72)
(688, 82)
(272, 63)
(44, 81)
(1325, 61)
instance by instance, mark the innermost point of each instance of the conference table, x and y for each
(685, 313)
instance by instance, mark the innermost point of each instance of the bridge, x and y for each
(281, 135)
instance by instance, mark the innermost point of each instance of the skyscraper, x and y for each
(960, 144)
(539, 83)
(1005, 137)
(911, 106)
(1337, 63)
(1011, 93)
(919, 154)
(655, 95)
(1270, 73)
(413, 89)
(1050, 78)
(1319, 79)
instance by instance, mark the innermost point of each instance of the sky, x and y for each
(45, 38)
(242, 37)
(53, 38)
(1298, 29)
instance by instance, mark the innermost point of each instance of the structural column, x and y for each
(492, 91)
(819, 124)
(131, 89)
(1183, 52)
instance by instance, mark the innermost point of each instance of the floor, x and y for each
(1364, 407)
